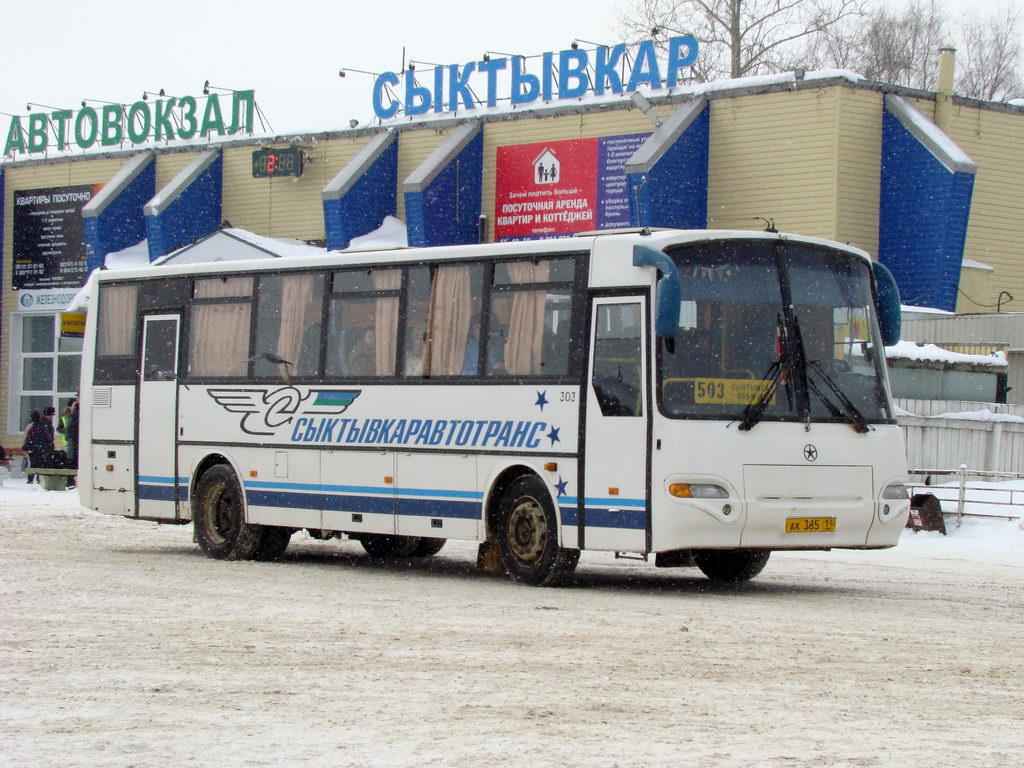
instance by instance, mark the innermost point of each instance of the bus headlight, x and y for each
(697, 491)
(895, 491)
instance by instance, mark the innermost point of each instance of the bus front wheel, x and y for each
(731, 565)
(219, 519)
(528, 536)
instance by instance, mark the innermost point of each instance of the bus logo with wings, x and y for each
(264, 410)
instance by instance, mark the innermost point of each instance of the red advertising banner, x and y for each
(557, 188)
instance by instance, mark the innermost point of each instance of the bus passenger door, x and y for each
(615, 510)
(156, 485)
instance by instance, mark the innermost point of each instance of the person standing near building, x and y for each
(69, 426)
(39, 440)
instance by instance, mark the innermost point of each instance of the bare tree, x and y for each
(901, 47)
(738, 37)
(988, 64)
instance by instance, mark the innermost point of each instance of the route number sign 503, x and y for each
(729, 391)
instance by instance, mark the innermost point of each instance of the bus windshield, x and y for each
(773, 331)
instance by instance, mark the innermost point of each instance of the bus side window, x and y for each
(288, 326)
(219, 327)
(443, 306)
(362, 323)
(617, 375)
(117, 334)
(529, 327)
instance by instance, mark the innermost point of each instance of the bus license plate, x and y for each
(810, 525)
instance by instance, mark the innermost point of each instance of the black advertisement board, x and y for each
(49, 242)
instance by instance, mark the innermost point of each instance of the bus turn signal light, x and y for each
(697, 491)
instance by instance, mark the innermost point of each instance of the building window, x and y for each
(48, 369)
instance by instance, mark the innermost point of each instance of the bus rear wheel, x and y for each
(528, 536)
(731, 565)
(273, 542)
(218, 516)
(428, 547)
(382, 545)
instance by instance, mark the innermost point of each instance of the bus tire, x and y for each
(528, 536)
(273, 542)
(731, 565)
(428, 547)
(218, 517)
(383, 545)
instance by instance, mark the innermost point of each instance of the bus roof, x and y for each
(656, 238)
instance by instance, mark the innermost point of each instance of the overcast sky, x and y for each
(289, 54)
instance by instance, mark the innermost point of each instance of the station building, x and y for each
(930, 183)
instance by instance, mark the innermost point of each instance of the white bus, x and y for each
(701, 397)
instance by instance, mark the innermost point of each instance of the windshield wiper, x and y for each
(855, 417)
(754, 411)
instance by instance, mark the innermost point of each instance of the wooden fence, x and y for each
(967, 436)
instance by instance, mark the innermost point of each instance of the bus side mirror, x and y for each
(669, 291)
(887, 304)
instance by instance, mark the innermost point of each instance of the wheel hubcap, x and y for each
(220, 514)
(527, 531)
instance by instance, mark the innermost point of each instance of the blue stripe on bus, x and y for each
(634, 519)
(162, 480)
(159, 488)
(364, 489)
(382, 505)
(156, 492)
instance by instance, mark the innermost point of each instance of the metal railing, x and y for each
(945, 493)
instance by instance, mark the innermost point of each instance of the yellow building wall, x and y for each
(288, 206)
(170, 165)
(974, 283)
(774, 156)
(995, 141)
(858, 172)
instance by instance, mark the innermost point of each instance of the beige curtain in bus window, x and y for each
(219, 340)
(450, 312)
(386, 312)
(219, 333)
(300, 309)
(117, 320)
(223, 287)
(526, 323)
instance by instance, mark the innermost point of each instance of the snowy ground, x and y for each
(121, 645)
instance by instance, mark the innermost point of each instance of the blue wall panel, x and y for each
(923, 213)
(121, 223)
(447, 212)
(193, 214)
(365, 205)
(674, 193)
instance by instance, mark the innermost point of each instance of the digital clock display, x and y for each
(277, 162)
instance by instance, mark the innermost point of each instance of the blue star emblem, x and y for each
(553, 435)
(561, 486)
(542, 400)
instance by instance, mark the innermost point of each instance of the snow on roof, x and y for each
(911, 350)
(390, 234)
(972, 264)
(938, 143)
(905, 308)
(982, 415)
